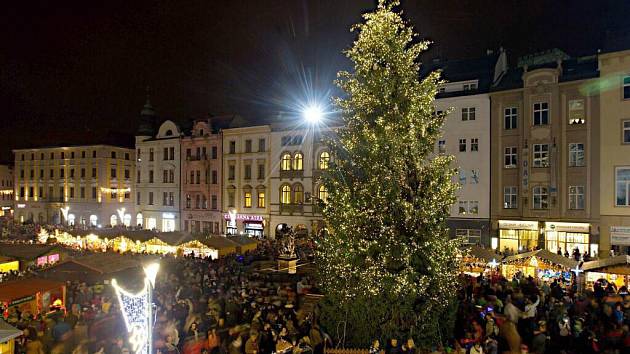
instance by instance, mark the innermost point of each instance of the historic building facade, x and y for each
(88, 185)
(614, 136)
(158, 164)
(201, 156)
(298, 157)
(545, 124)
(6, 190)
(246, 186)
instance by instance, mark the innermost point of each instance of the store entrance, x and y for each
(516, 241)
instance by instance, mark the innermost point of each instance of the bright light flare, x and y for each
(151, 272)
(313, 114)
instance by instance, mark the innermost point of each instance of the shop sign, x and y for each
(22, 300)
(6, 208)
(620, 235)
(568, 227)
(243, 217)
(525, 177)
(518, 225)
(21, 206)
(256, 226)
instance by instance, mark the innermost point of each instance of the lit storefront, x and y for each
(253, 225)
(518, 235)
(32, 295)
(567, 236)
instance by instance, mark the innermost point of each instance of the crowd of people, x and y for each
(529, 315)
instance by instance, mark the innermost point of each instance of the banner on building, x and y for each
(620, 235)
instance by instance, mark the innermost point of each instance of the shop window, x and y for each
(540, 198)
(576, 197)
(622, 182)
(576, 155)
(541, 155)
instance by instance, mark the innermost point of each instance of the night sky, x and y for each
(76, 71)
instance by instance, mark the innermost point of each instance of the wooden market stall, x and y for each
(95, 268)
(223, 245)
(614, 269)
(476, 260)
(8, 334)
(539, 263)
(34, 295)
(33, 254)
(8, 264)
(245, 243)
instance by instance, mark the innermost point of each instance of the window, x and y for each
(576, 154)
(171, 151)
(113, 195)
(248, 145)
(541, 113)
(248, 171)
(126, 174)
(150, 176)
(94, 192)
(93, 172)
(21, 192)
(541, 155)
(473, 207)
(232, 147)
(442, 146)
(113, 173)
(165, 176)
(188, 201)
(192, 177)
(198, 175)
(113, 154)
(151, 154)
(322, 193)
(188, 154)
(297, 161)
(462, 177)
(41, 173)
(165, 199)
(469, 236)
(510, 115)
(33, 173)
(576, 197)
(261, 146)
(576, 112)
(285, 194)
(62, 173)
(463, 207)
(71, 192)
(165, 154)
(474, 144)
(622, 181)
(626, 131)
(261, 171)
(214, 177)
(21, 173)
(231, 172)
(71, 173)
(94, 154)
(510, 197)
(52, 155)
(82, 173)
(474, 176)
(214, 152)
(63, 155)
(626, 87)
(61, 193)
(214, 202)
(324, 160)
(540, 198)
(82, 192)
(462, 145)
(471, 86)
(298, 194)
(138, 199)
(139, 155)
(261, 199)
(231, 195)
(204, 153)
(41, 192)
(285, 164)
(248, 199)
(52, 173)
(138, 177)
(171, 176)
(150, 198)
(468, 113)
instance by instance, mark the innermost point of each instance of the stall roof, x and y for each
(545, 255)
(484, 253)
(243, 240)
(602, 264)
(18, 289)
(25, 251)
(4, 259)
(8, 332)
(136, 235)
(174, 238)
(95, 267)
(218, 242)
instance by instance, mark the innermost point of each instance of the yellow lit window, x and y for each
(248, 199)
(324, 159)
(261, 199)
(285, 195)
(322, 193)
(285, 165)
(297, 161)
(298, 194)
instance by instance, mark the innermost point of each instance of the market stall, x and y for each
(33, 254)
(223, 245)
(95, 268)
(614, 269)
(198, 248)
(157, 246)
(34, 295)
(245, 243)
(8, 334)
(8, 264)
(476, 260)
(538, 264)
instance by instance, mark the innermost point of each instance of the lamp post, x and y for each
(137, 310)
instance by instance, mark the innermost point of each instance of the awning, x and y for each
(543, 255)
(8, 332)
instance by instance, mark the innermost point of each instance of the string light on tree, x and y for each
(137, 311)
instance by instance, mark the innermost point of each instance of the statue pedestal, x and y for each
(287, 264)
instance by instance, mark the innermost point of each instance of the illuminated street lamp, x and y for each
(137, 311)
(64, 213)
(313, 114)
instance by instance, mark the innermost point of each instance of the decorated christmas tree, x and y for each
(387, 267)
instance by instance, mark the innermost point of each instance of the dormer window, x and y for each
(471, 86)
(169, 132)
(200, 132)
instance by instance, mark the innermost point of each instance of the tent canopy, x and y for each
(544, 255)
(8, 332)
(613, 265)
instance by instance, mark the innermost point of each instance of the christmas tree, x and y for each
(387, 268)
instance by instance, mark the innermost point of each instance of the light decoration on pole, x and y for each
(64, 212)
(577, 270)
(493, 264)
(137, 311)
(121, 215)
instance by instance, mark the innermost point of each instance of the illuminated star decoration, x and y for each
(577, 270)
(494, 263)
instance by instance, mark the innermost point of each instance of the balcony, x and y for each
(291, 208)
(292, 174)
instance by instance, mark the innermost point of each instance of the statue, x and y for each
(287, 249)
